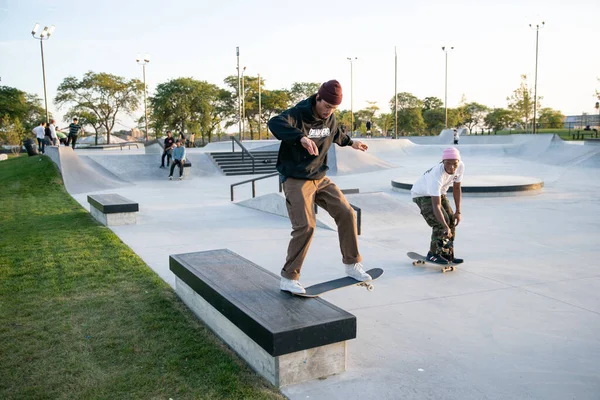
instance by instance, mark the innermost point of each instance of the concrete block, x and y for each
(287, 369)
(113, 219)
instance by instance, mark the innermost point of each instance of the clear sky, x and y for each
(309, 41)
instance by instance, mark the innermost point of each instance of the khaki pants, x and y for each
(300, 196)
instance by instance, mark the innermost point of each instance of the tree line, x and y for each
(194, 106)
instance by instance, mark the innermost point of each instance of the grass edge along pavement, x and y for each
(84, 317)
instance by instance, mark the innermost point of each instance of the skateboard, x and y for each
(324, 287)
(421, 260)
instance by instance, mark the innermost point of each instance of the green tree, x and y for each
(186, 104)
(435, 119)
(550, 118)
(102, 95)
(410, 118)
(386, 123)
(273, 102)
(24, 106)
(521, 102)
(473, 114)
(12, 133)
(302, 90)
(432, 103)
(498, 119)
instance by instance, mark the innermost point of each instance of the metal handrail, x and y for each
(357, 209)
(254, 184)
(244, 150)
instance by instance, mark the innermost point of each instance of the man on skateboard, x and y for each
(306, 131)
(429, 193)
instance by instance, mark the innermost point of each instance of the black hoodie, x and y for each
(292, 125)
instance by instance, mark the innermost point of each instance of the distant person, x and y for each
(40, 132)
(74, 130)
(306, 131)
(455, 136)
(191, 140)
(429, 193)
(48, 135)
(178, 159)
(167, 149)
(53, 135)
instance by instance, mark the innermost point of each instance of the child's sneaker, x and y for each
(434, 258)
(181, 177)
(170, 178)
(357, 272)
(291, 285)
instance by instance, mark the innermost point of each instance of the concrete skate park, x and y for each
(518, 320)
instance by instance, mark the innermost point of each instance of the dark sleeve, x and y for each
(284, 126)
(340, 137)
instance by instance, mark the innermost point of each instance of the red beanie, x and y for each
(331, 92)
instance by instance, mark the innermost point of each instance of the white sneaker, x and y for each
(170, 178)
(357, 272)
(290, 285)
(181, 177)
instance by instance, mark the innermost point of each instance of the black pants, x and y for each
(72, 139)
(180, 164)
(162, 160)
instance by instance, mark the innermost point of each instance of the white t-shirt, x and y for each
(53, 131)
(39, 131)
(436, 181)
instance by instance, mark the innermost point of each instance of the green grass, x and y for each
(82, 316)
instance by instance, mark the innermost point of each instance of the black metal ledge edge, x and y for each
(483, 189)
(112, 203)
(278, 342)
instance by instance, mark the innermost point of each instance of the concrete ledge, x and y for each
(112, 209)
(287, 339)
(486, 185)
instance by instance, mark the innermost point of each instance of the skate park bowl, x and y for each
(520, 311)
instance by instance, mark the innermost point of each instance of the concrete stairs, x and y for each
(231, 163)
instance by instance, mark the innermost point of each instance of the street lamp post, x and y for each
(259, 109)
(44, 35)
(143, 63)
(237, 53)
(537, 34)
(351, 93)
(395, 93)
(446, 50)
(243, 103)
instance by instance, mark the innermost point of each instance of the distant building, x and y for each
(581, 121)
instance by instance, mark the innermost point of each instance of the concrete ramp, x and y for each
(274, 203)
(145, 167)
(380, 211)
(346, 160)
(80, 177)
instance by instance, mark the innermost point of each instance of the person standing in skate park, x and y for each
(306, 131)
(429, 193)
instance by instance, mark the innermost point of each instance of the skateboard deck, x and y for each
(421, 260)
(324, 287)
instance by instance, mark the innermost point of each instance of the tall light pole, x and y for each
(44, 35)
(143, 63)
(351, 92)
(446, 50)
(243, 103)
(237, 53)
(259, 108)
(395, 93)
(537, 28)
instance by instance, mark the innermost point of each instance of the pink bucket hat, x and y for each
(451, 153)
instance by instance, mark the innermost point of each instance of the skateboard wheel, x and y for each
(415, 263)
(370, 288)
